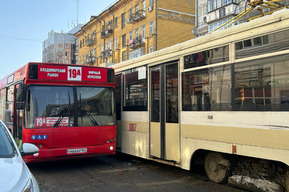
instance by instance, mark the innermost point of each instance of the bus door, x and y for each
(164, 126)
(18, 113)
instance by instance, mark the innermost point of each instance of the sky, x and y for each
(24, 25)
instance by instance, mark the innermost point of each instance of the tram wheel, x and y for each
(216, 167)
(287, 180)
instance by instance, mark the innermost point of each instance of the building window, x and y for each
(215, 25)
(123, 41)
(137, 8)
(111, 24)
(216, 4)
(106, 46)
(123, 20)
(136, 33)
(116, 43)
(151, 2)
(144, 5)
(116, 22)
(151, 49)
(130, 12)
(151, 27)
(124, 56)
(111, 44)
(143, 31)
(130, 35)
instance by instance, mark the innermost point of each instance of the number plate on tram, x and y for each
(80, 150)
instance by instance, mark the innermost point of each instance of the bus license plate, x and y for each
(81, 150)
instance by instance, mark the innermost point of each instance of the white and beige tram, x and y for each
(222, 98)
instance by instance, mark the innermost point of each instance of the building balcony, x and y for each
(137, 43)
(90, 59)
(90, 42)
(222, 12)
(136, 17)
(106, 33)
(106, 53)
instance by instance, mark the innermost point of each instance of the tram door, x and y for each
(164, 125)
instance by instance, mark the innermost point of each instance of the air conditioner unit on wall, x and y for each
(150, 8)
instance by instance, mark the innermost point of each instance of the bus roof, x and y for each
(59, 72)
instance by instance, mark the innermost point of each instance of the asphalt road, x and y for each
(120, 173)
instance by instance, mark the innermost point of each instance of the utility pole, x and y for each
(77, 13)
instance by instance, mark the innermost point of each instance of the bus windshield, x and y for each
(56, 106)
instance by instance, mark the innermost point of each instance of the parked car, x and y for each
(15, 175)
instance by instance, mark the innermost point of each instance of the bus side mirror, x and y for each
(20, 96)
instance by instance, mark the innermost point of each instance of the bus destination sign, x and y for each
(71, 73)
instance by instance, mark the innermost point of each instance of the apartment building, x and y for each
(131, 28)
(210, 14)
(61, 47)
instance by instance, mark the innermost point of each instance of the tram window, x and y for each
(262, 85)
(257, 41)
(248, 43)
(135, 89)
(263, 44)
(207, 90)
(216, 55)
(239, 45)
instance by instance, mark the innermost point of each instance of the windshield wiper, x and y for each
(92, 120)
(63, 112)
(61, 116)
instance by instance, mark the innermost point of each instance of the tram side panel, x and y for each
(239, 133)
(135, 133)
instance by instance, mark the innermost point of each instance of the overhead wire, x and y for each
(20, 38)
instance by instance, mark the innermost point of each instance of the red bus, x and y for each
(67, 111)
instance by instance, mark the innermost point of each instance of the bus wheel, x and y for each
(216, 167)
